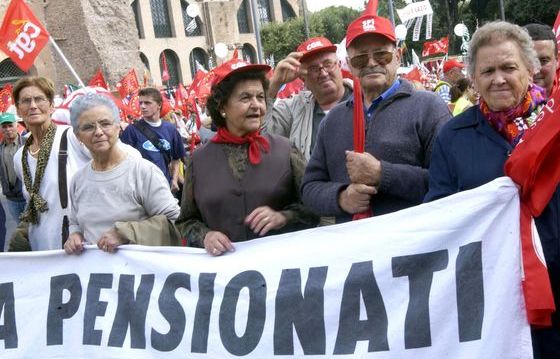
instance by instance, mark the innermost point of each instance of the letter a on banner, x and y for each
(22, 37)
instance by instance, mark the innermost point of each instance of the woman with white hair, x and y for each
(115, 186)
(471, 149)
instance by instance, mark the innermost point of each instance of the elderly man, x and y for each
(401, 124)
(298, 118)
(452, 72)
(547, 53)
(11, 185)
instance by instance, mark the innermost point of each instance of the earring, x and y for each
(223, 114)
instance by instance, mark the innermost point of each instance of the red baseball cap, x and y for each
(234, 66)
(370, 24)
(314, 46)
(451, 64)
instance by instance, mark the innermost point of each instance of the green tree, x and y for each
(280, 39)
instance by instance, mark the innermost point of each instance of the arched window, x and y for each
(264, 11)
(9, 72)
(248, 53)
(243, 18)
(172, 66)
(160, 18)
(287, 11)
(137, 20)
(198, 59)
(193, 25)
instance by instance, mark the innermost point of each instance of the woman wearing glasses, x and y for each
(115, 186)
(37, 164)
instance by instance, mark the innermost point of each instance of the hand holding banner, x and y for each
(22, 37)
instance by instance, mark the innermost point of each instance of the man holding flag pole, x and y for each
(399, 126)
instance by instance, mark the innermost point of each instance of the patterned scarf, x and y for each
(36, 203)
(511, 124)
(257, 143)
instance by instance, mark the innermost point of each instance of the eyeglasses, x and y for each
(105, 126)
(327, 65)
(39, 101)
(381, 57)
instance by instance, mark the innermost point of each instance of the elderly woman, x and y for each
(37, 164)
(241, 185)
(472, 148)
(115, 186)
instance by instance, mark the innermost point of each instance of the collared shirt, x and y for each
(319, 114)
(388, 93)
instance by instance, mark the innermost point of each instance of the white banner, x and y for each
(429, 20)
(416, 30)
(440, 280)
(416, 9)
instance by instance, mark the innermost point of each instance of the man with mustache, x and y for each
(400, 127)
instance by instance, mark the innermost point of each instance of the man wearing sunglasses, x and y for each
(298, 118)
(400, 127)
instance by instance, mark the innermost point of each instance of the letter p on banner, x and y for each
(22, 36)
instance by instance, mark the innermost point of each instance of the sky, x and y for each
(316, 5)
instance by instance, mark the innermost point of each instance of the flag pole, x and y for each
(66, 61)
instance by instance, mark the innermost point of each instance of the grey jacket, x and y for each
(293, 118)
(13, 193)
(400, 134)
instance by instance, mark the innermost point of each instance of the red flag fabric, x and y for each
(201, 86)
(128, 84)
(164, 70)
(22, 37)
(290, 89)
(414, 75)
(98, 80)
(6, 99)
(533, 165)
(235, 54)
(434, 47)
(359, 133)
(371, 8)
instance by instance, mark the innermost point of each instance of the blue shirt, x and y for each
(388, 93)
(169, 138)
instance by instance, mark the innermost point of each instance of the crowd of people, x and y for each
(278, 165)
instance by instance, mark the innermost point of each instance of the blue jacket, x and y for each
(400, 134)
(468, 153)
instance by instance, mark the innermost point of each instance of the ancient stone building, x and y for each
(116, 35)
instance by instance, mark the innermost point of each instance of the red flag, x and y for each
(22, 37)
(6, 99)
(164, 70)
(128, 84)
(414, 75)
(359, 133)
(98, 80)
(435, 47)
(534, 166)
(235, 54)
(290, 89)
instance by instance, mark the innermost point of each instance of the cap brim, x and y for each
(316, 51)
(253, 67)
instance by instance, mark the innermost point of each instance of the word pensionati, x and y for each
(303, 312)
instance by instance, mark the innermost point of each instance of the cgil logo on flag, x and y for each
(22, 37)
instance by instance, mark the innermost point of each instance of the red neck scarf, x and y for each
(257, 143)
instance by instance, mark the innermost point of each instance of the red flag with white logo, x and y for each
(128, 84)
(436, 47)
(22, 37)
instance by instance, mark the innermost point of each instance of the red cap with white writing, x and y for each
(370, 23)
(314, 46)
(233, 66)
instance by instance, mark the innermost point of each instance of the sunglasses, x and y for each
(380, 57)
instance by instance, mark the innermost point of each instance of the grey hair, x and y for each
(89, 101)
(503, 31)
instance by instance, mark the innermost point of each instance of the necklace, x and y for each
(33, 153)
